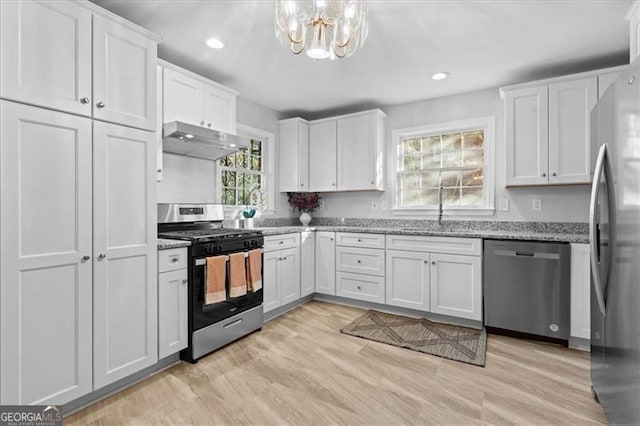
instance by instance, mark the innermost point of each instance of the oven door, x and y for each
(203, 314)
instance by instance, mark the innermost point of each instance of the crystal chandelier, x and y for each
(323, 28)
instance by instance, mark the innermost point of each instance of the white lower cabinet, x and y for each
(281, 270)
(456, 286)
(580, 291)
(172, 302)
(307, 263)
(408, 279)
(326, 262)
(442, 283)
(360, 286)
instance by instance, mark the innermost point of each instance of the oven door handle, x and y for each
(203, 261)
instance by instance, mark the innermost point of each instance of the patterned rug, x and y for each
(419, 334)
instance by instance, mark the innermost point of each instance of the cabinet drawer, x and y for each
(172, 259)
(360, 261)
(279, 242)
(361, 287)
(355, 239)
(449, 245)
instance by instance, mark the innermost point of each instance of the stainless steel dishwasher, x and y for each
(527, 287)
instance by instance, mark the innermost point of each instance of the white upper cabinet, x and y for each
(605, 80)
(526, 135)
(78, 58)
(344, 153)
(46, 54)
(190, 98)
(570, 104)
(45, 256)
(124, 75)
(323, 156)
(360, 146)
(294, 155)
(548, 130)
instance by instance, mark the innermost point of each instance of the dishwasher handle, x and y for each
(527, 254)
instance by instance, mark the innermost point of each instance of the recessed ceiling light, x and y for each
(232, 145)
(188, 136)
(440, 76)
(214, 43)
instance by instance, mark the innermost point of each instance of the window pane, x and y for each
(451, 158)
(411, 163)
(255, 163)
(411, 146)
(241, 159)
(228, 196)
(228, 178)
(227, 161)
(256, 147)
(431, 145)
(450, 179)
(431, 161)
(419, 197)
(473, 157)
(451, 196)
(410, 181)
(473, 139)
(472, 196)
(452, 142)
(472, 177)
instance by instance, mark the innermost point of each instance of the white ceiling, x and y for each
(481, 43)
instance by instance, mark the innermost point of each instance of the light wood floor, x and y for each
(301, 370)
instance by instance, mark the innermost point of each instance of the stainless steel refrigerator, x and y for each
(615, 249)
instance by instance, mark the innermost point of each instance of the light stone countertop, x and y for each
(164, 244)
(466, 233)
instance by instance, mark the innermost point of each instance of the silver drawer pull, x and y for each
(359, 261)
(174, 259)
(359, 288)
(231, 324)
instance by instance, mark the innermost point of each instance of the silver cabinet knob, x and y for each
(100, 104)
(333, 184)
(302, 184)
(281, 242)
(433, 263)
(208, 124)
(202, 123)
(85, 258)
(359, 261)
(554, 174)
(174, 259)
(426, 262)
(84, 100)
(359, 288)
(544, 175)
(372, 182)
(330, 239)
(359, 240)
(102, 256)
(185, 281)
(631, 80)
(159, 170)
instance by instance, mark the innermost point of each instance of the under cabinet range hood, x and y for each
(195, 141)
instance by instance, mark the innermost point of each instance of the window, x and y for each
(244, 177)
(447, 163)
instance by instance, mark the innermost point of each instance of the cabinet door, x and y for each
(580, 291)
(570, 104)
(294, 156)
(45, 223)
(526, 116)
(456, 286)
(45, 54)
(172, 312)
(125, 252)
(290, 275)
(357, 153)
(182, 98)
(326, 263)
(322, 156)
(408, 279)
(307, 263)
(124, 75)
(219, 109)
(272, 288)
(159, 91)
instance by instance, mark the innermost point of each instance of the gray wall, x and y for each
(558, 203)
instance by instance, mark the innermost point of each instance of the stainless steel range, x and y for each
(212, 324)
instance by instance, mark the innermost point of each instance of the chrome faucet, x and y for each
(440, 202)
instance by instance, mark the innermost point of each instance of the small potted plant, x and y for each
(247, 217)
(305, 203)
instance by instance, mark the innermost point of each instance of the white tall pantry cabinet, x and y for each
(78, 265)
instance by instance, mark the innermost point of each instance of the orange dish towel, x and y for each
(255, 270)
(215, 278)
(237, 275)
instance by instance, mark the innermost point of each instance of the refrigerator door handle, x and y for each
(593, 226)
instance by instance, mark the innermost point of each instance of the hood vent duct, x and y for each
(195, 141)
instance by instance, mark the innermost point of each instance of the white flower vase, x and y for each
(305, 219)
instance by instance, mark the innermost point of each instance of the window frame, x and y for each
(268, 141)
(487, 124)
